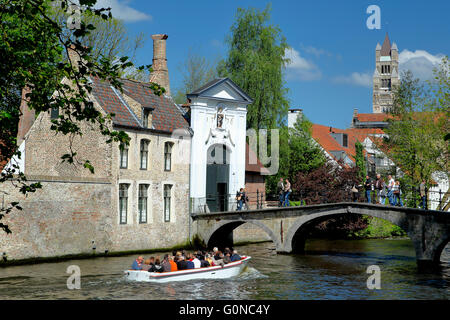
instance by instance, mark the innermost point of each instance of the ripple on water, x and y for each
(330, 270)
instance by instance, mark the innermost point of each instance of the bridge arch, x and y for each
(297, 233)
(221, 234)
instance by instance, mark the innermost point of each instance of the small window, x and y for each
(345, 140)
(123, 156)
(145, 116)
(123, 202)
(54, 113)
(142, 202)
(144, 154)
(167, 201)
(168, 156)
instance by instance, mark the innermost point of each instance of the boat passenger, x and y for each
(217, 259)
(166, 264)
(226, 258)
(189, 262)
(146, 265)
(209, 259)
(196, 261)
(235, 256)
(181, 263)
(217, 255)
(173, 265)
(157, 267)
(137, 264)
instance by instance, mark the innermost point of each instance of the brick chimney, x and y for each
(73, 56)
(26, 118)
(160, 74)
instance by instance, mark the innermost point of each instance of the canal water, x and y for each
(329, 270)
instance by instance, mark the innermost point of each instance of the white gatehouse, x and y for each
(218, 113)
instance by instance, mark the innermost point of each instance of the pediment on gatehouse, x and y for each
(223, 89)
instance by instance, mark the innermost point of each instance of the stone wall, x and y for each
(249, 233)
(156, 233)
(62, 218)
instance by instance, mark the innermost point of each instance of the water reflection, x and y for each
(328, 270)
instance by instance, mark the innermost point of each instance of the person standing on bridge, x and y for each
(423, 194)
(368, 185)
(287, 192)
(390, 194)
(280, 188)
(378, 188)
(240, 195)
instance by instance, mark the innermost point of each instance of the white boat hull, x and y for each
(217, 272)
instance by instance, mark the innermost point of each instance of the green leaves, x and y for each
(255, 62)
(419, 124)
(35, 44)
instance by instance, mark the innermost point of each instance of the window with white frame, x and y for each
(168, 156)
(143, 202)
(144, 154)
(123, 202)
(123, 156)
(167, 201)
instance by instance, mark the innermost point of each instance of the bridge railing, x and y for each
(409, 197)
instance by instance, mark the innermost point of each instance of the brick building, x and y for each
(136, 199)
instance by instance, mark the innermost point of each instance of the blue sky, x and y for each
(333, 51)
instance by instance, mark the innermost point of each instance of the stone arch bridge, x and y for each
(288, 227)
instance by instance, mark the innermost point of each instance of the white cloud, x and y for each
(299, 68)
(315, 51)
(122, 10)
(419, 62)
(356, 78)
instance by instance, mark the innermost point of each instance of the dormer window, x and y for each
(345, 140)
(147, 117)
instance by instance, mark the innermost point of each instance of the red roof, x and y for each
(166, 116)
(322, 135)
(373, 117)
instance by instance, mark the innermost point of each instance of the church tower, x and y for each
(385, 76)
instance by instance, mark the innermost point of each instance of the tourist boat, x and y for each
(216, 272)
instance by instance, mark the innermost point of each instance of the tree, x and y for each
(360, 162)
(420, 121)
(305, 155)
(329, 183)
(196, 71)
(109, 39)
(300, 154)
(32, 47)
(255, 62)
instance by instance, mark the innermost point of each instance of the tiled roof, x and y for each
(373, 117)
(321, 134)
(166, 115)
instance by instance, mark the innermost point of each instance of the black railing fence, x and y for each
(408, 197)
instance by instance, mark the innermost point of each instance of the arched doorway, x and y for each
(217, 177)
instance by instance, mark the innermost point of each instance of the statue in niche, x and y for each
(219, 118)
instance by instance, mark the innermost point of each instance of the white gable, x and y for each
(223, 91)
